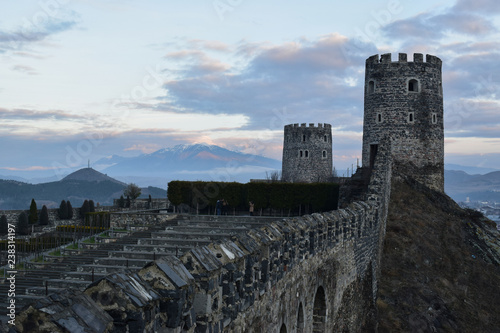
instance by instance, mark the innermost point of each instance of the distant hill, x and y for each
(76, 187)
(90, 175)
(460, 185)
(471, 170)
(192, 162)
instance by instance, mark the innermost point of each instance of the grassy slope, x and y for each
(438, 274)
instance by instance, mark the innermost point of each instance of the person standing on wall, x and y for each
(224, 207)
(251, 207)
(218, 207)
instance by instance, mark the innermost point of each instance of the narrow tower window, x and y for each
(301, 153)
(371, 87)
(307, 153)
(413, 85)
(434, 118)
(411, 117)
(379, 118)
(304, 138)
(325, 138)
(324, 153)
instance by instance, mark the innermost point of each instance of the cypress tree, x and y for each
(63, 210)
(84, 209)
(4, 228)
(128, 202)
(44, 216)
(91, 206)
(33, 216)
(22, 224)
(70, 210)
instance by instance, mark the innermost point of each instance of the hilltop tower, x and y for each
(307, 153)
(404, 102)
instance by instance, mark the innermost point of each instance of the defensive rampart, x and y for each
(314, 273)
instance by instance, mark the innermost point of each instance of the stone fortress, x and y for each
(307, 153)
(313, 273)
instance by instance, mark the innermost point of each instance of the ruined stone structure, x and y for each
(404, 101)
(307, 153)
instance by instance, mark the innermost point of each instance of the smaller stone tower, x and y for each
(404, 103)
(307, 153)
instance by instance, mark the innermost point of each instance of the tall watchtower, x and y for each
(404, 101)
(307, 153)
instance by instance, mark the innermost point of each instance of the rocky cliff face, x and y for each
(440, 267)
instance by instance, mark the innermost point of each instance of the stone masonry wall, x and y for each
(307, 153)
(316, 272)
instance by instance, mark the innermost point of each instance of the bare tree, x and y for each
(273, 176)
(133, 191)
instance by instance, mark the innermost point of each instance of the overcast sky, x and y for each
(84, 79)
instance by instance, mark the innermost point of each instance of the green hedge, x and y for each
(288, 197)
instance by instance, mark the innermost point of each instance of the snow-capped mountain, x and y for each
(192, 162)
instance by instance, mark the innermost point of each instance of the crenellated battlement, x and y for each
(310, 125)
(403, 58)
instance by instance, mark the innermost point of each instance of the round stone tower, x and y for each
(307, 153)
(404, 101)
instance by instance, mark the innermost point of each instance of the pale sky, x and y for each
(86, 79)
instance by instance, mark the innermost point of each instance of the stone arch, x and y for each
(369, 296)
(319, 311)
(300, 319)
(283, 328)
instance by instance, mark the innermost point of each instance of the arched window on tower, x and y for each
(379, 118)
(303, 138)
(434, 117)
(301, 153)
(413, 85)
(324, 153)
(411, 117)
(307, 153)
(371, 87)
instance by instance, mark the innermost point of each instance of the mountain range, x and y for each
(210, 162)
(182, 162)
(189, 162)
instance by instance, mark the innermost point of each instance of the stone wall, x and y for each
(317, 272)
(139, 204)
(404, 101)
(307, 153)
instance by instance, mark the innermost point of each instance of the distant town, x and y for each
(490, 209)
